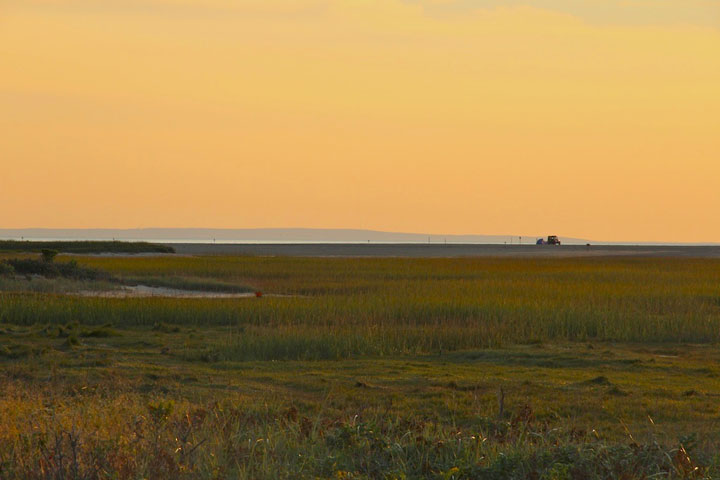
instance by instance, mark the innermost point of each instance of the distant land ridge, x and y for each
(287, 235)
(271, 235)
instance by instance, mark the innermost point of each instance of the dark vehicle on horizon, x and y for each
(551, 240)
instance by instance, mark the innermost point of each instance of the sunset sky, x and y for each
(588, 118)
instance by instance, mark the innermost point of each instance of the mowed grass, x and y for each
(369, 368)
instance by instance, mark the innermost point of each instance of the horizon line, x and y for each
(499, 237)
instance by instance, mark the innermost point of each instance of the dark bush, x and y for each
(71, 269)
(29, 266)
(6, 269)
(48, 254)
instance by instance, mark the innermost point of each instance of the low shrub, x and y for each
(6, 269)
(29, 266)
(48, 254)
(48, 269)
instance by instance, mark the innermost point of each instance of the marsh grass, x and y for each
(181, 441)
(75, 408)
(353, 307)
(17, 284)
(377, 368)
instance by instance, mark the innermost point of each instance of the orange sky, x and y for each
(590, 119)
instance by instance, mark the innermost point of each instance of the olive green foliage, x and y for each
(343, 307)
(6, 269)
(48, 255)
(369, 368)
(46, 267)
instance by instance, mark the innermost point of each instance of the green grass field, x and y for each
(366, 368)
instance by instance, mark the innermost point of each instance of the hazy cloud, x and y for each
(705, 13)
(623, 12)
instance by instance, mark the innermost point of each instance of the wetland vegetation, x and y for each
(76, 246)
(366, 368)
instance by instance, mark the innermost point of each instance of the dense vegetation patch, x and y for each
(172, 442)
(369, 369)
(71, 276)
(100, 402)
(50, 269)
(84, 246)
(340, 307)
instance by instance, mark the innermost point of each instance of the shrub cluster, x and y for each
(6, 269)
(71, 269)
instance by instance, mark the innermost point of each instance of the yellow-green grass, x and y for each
(134, 403)
(372, 368)
(391, 306)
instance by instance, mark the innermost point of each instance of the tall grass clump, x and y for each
(126, 436)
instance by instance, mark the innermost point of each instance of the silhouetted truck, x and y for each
(553, 240)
